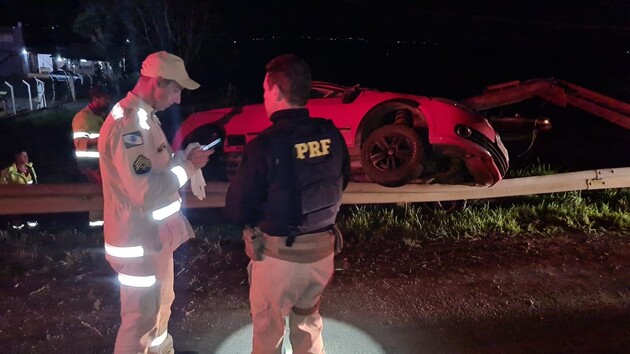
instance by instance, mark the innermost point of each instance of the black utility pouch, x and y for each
(254, 243)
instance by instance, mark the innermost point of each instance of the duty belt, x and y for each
(293, 234)
(309, 248)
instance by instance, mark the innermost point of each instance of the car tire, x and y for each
(392, 155)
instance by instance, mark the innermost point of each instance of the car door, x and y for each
(335, 110)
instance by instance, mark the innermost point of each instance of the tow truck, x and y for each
(556, 91)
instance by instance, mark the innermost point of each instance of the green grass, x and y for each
(591, 212)
(533, 169)
(538, 216)
(545, 215)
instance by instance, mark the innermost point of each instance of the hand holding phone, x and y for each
(211, 145)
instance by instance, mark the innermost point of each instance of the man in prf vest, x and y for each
(143, 222)
(288, 192)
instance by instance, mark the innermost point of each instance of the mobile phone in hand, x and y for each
(211, 145)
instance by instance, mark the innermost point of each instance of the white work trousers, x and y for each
(276, 286)
(145, 313)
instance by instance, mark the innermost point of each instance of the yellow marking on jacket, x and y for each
(313, 148)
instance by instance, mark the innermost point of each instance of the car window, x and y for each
(324, 93)
(317, 94)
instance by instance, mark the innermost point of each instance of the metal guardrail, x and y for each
(60, 198)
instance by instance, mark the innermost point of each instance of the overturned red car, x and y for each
(393, 139)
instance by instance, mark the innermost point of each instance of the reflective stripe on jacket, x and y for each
(141, 179)
(86, 125)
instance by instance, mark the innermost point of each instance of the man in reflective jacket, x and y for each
(288, 190)
(143, 222)
(86, 126)
(19, 172)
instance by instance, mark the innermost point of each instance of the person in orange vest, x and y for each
(143, 223)
(86, 126)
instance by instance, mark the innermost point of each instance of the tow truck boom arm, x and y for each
(556, 91)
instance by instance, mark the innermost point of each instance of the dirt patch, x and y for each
(568, 293)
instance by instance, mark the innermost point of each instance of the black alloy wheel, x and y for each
(392, 155)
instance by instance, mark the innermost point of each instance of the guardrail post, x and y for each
(70, 85)
(30, 97)
(12, 97)
(52, 79)
(41, 94)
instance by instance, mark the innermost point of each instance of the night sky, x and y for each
(389, 18)
(440, 48)
(447, 48)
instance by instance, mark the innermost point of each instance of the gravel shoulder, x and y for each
(562, 294)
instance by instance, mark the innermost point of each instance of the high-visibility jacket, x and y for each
(86, 125)
(141, 180)
(11, 175)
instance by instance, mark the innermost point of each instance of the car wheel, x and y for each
(391, 156)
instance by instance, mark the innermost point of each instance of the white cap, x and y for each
(167, 66)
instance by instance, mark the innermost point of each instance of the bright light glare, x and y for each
(339, 338)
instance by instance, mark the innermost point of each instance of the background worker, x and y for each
(288, 190)
(86, 127)
(143, 222)
(21, 171)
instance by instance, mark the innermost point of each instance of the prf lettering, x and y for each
(313, 148)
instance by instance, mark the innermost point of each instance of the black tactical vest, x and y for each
(306, 173)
